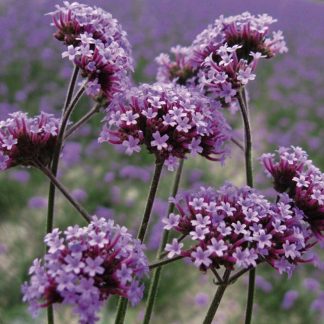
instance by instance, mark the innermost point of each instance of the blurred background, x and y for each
(287, 100)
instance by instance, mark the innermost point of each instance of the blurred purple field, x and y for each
(287, 100)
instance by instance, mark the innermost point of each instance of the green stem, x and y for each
(249, 180)
(123, 302)
(217, 299)
(159, 264)
(51, 193)
(82, 120)
(55, 159)
(50, 314)
(248, 139)
(165, 237)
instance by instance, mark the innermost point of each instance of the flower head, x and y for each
(221, 234)
(27, 141)
(304, 183)
(224, 56)
(84, 266)
(97, 44)
(178, 69)
(169, 120)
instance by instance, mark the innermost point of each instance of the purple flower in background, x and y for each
(86, 266)
(97, 44)
(222, 235)
(311, 284)
(303, 182)
(263, 284)
(37, 202)
(185, 122)
(79, 194)
(289, 299)
(201, 299)
(27, 141)
(21, 176)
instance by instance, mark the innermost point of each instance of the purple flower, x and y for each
(131, 145)
(201, 257)
(169, 120)
(217, 247)
(93, 266)
(295, 174)
(160, 141)
(289, 299)
(171, 222)
(222, 235)
(97, 44)
(223, 57)
(201, 299)
(27, 141)
(85, 267)
(174, 248)
(37, 202)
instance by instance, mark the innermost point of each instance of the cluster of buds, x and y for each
(27, 141)
(97, 44)
(224, 56)
(295, 174)
(170, 120)
(237, 227)
(177, 68)
(85, 267)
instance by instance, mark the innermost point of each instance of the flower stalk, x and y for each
(217, 299)
(54, 168)
(123, 302)
(165, 237)
(159, 265)
(249, 180)
(94, 110)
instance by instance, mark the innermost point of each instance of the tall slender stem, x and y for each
(122, 304)
(248, 138)
(165, 237)
(150, 200)
(249, 180)
(55, 159)
(217, 299)
(82, 120)
(51, 193)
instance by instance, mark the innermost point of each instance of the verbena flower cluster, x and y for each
(224, 56)
(27, 141)
(293, 173)
(177, 68)
(85, 266)
(237, 227)
(169, 120)
(97, 44)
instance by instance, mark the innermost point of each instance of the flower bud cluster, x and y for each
(295, 174)
(27, 141)
(169, 120)
(97, 44)
(85, 266)
(237, 227)
(224, 56)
